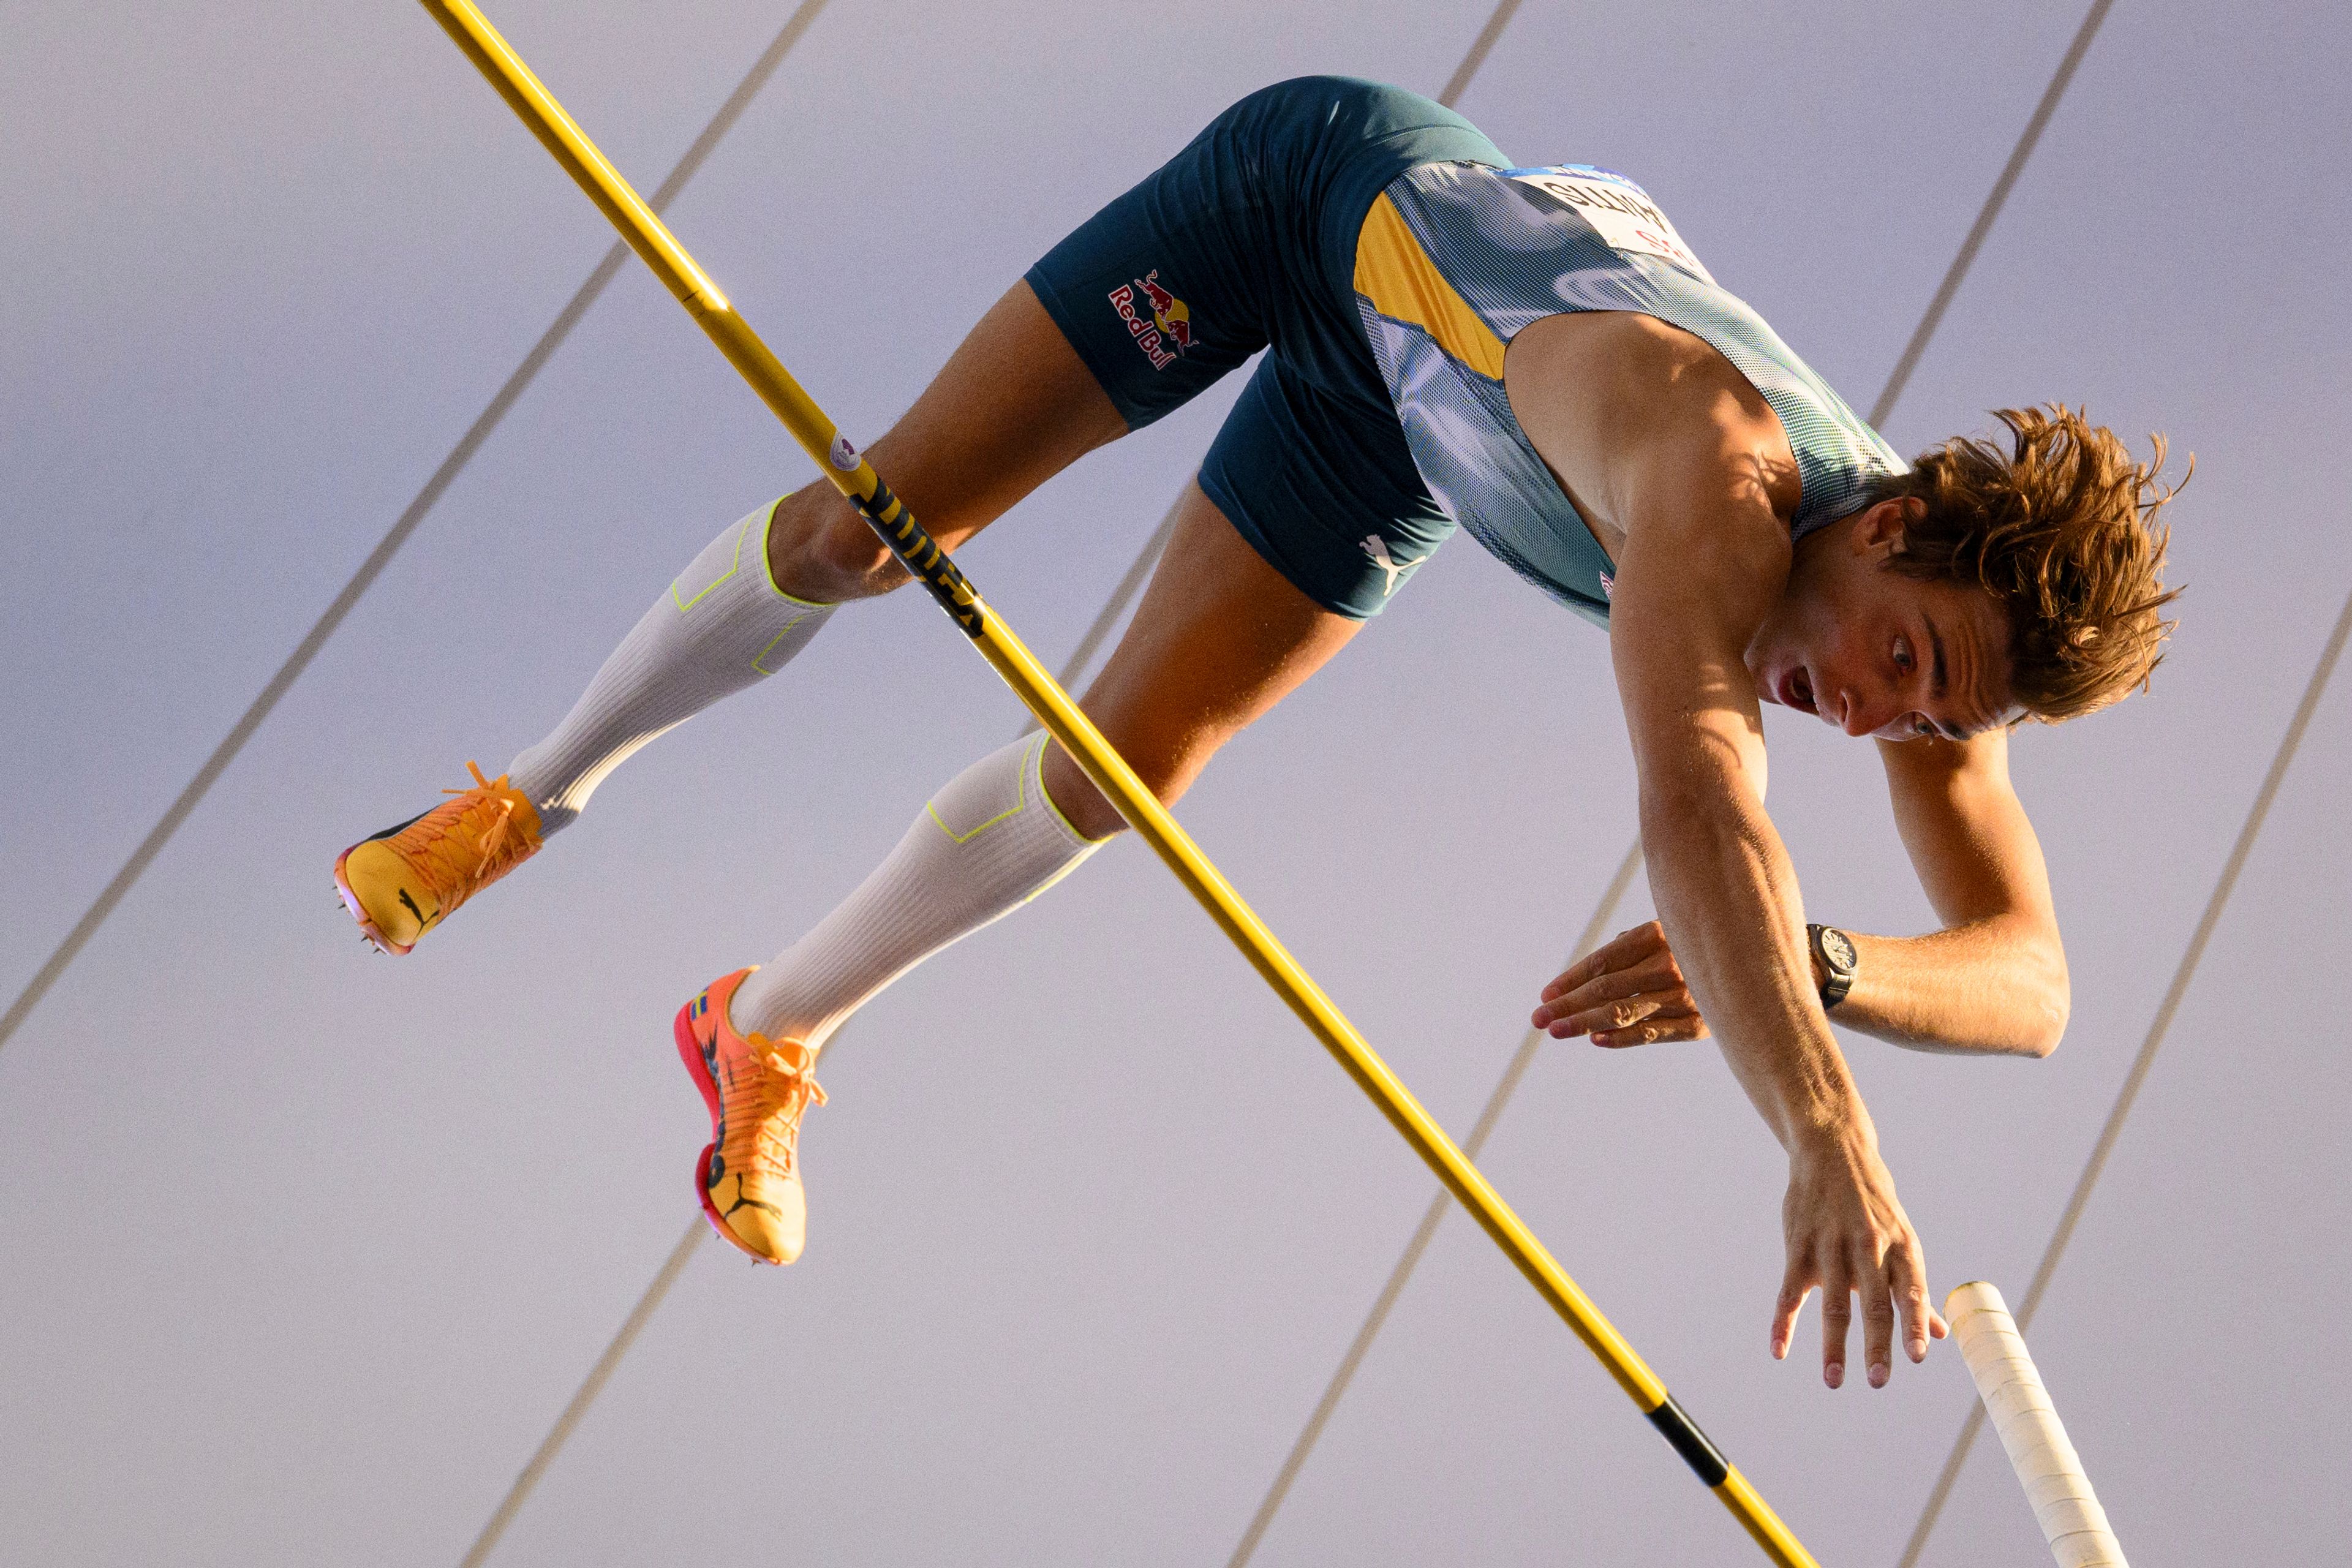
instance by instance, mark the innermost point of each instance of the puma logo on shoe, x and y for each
(451, 852)
(757, 1090)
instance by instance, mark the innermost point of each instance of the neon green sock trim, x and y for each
(1020, 803)
(789, 627)
(733, 566)
(1059, 815)
(768, 567)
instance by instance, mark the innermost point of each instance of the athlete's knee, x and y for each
(1075, 796)
(820, 548)
(1166, 772)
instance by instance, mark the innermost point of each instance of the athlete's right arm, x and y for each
(1687, 462)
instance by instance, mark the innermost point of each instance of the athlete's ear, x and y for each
(1878, 531)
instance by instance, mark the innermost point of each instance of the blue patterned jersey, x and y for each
(1456, 258)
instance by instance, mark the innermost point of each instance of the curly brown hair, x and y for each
(2062, 530)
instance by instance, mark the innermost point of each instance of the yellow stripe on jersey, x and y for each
(1403, 284)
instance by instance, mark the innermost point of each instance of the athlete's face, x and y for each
(1876, 653)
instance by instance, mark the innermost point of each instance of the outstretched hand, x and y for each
(1627, 992)
(1846, 1232)
(1848, 1235)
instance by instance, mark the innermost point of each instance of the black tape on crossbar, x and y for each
(887, 515)
(1692, 1444)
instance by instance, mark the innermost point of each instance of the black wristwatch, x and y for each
(1836, 951)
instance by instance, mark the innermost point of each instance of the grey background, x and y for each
(301, 1251)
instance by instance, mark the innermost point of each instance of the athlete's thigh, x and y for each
(1220, 638)
(1014, 405)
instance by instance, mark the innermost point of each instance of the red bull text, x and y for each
(1169, 332)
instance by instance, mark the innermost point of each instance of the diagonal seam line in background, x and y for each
(380, 556)
(1908, 361)
(1897, 380)
(585, 1395)
(2125, 1097)
(1129, 586)
(1480, 47)
(1426, 1231)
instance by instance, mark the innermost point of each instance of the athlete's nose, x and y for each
(1858, 715)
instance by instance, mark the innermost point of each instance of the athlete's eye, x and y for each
(1903, 661)
(1922, 728)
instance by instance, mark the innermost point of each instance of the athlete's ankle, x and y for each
(744, 1028)
(550, 782)
(554, 820)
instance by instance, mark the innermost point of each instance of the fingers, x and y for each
(1894, 1285)
(1882, 1297)
(1623, 951)
(1627, 947)
(1621, 1012)
(1795, 1286)
(1631, 981)
(1867, 1250)
(1837, 1316)
(1664, 1023)
(1906, 1282)
(1877, 1317)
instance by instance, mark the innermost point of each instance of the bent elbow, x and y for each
(2051, 991)
(2051, 1026)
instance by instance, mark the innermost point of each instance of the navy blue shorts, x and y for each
(1246, 240)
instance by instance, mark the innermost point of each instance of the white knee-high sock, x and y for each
(722, 625)
(986, 844)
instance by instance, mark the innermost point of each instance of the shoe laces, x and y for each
(781, 1093)
(460, 852)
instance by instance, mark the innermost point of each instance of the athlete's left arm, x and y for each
(1994, 978)
(1991, 981)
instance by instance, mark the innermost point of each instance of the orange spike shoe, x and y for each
(402, 882)
(758, 1089)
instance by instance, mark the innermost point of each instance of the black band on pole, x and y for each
(1701, 1455)
(894, 522)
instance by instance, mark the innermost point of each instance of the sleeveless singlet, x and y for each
(1456, 258)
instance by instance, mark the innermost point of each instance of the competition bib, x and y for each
(1620, 211)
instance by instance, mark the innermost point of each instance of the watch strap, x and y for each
(1837, 979)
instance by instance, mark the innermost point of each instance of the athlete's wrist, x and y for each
(1834, 1123)
(1835, 962)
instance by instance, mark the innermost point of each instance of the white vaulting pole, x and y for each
(2020, 1407)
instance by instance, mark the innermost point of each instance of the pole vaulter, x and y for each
(864, 489)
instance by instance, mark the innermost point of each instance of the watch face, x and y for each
(1838, 949)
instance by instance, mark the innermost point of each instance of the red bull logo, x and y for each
(1169, 332)
(1168, 312)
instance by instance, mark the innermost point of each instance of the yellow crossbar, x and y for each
(856, 479)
